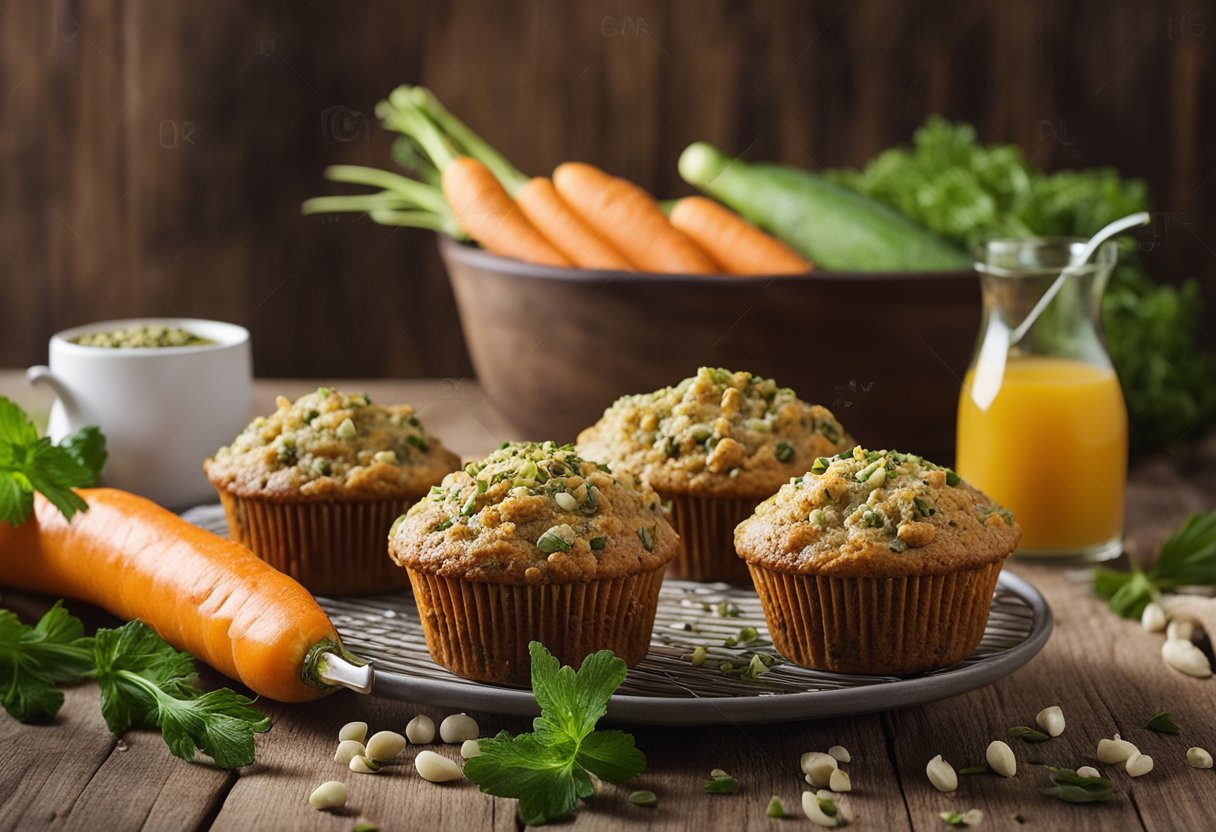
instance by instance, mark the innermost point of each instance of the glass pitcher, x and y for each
(1042, 426)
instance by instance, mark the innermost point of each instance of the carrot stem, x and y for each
(472, 144)
(419, 193)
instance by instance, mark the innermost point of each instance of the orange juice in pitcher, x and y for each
(1042, 426)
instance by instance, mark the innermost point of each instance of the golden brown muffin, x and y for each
(714, 446)
(534, 543)
(876, 562)
(315, 487)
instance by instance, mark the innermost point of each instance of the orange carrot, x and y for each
(199, 592)
(734, 242)
(484, 209)
(630, 220)
(551, 216)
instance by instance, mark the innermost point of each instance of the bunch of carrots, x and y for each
(581, 217)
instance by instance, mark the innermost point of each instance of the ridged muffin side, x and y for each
(314, 487)
(534, 543)
(713, 446)
(876, 562)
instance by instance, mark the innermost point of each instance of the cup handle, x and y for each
(42, 375)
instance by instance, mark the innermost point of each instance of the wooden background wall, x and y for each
(153, 154)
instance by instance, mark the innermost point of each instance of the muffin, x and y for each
(534, 543)
(714, 446)
(314, 488)
(876, 562)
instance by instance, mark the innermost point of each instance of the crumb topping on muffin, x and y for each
(330, 444)
(719, 432)
(535, 512)
(883, 513)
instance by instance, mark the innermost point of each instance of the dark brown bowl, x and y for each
(886, 352)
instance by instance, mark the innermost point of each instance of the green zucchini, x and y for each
(836, 228)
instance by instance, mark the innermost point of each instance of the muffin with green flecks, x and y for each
(534, 543)
(314, 487)
(714, 446)
(876, 562)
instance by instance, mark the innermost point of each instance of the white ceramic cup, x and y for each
(163, 410)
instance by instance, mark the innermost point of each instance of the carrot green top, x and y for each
(719, 433)
(332, 445)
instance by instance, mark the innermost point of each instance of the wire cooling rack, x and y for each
(666, 687)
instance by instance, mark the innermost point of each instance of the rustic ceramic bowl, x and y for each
(553, 347)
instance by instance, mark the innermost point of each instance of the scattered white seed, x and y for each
(1116, 750)
(331, 795)
(1186, 658)
(1180, 628)
(384, 746)
(566, 500)
(972, 817)
(1000, 758)
(470, 749)
(361, 764)
(941, 774)
(840, 754)
(356, 731)
(812, 809)
(1088, 771)
(347, 750)
(458, 728)
(1198, 757)
(1051, 720)
(1139, 764)
(818, 768)
(421, 730)
(436, 768)
(839, 781)
(1153, 618)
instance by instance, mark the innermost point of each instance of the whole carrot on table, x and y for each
(199, 592)
(630, 220)
(484, 209)
(739, 246)
(563, 227)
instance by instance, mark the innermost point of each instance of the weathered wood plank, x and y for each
(297, 755)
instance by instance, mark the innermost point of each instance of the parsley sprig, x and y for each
(1188, 558)
(30, 463)
(145, 683)
(549, 770)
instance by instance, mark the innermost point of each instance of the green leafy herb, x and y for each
(1163, 723)
(145, 683)
(34, 661)
(1073, 788)
(973, 770)
(820, 465)
(598, 543)
(29, 463)
(1019, 817)
(775, 809)
(965, 191)
(1188, 558)
(548, 770)
(1021, 732)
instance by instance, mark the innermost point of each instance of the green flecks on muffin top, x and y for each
(886, 495)
(750, 404)
(717, 424)
(330, 434)
(518, 471)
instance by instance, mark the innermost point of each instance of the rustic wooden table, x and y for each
(1104, 672)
